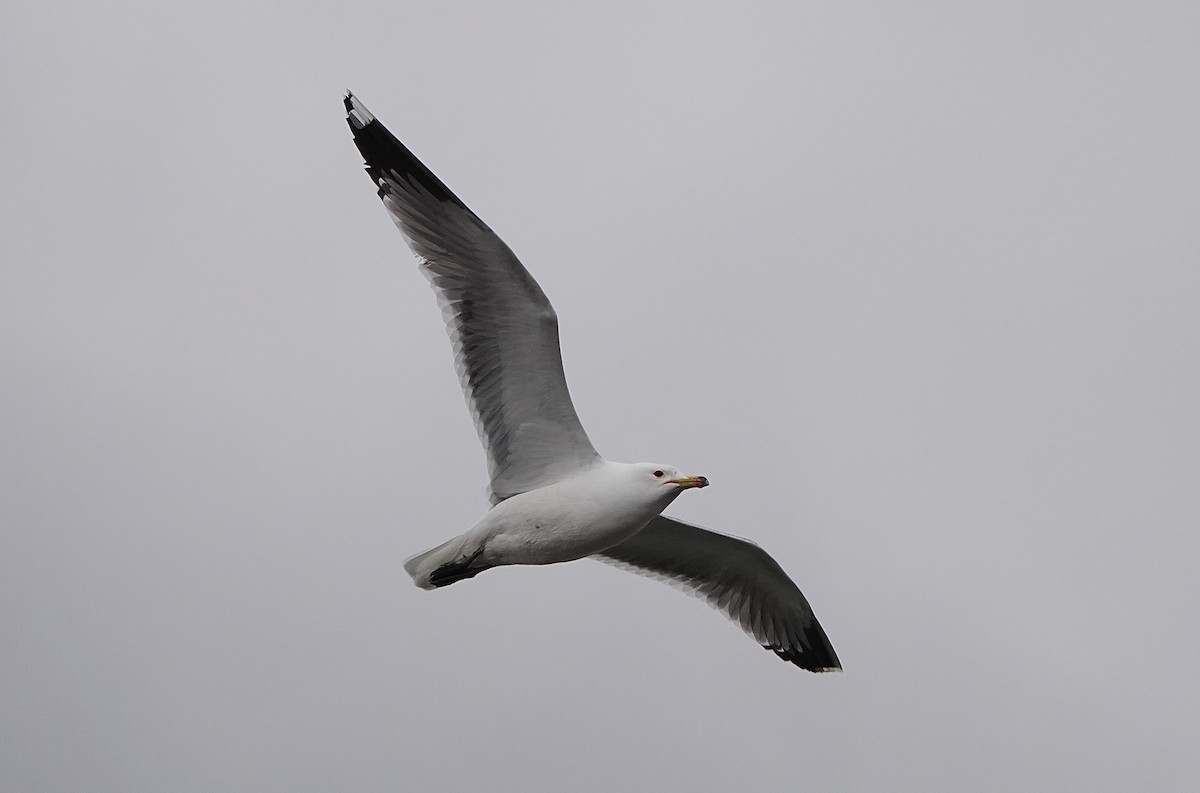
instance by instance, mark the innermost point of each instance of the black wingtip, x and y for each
(385, 155)
(812, 660)
(811, 651)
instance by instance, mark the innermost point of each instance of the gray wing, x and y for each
(735, 576)
(503, 329)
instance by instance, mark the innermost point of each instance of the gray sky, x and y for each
(939, 262)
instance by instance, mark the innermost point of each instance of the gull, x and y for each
(554, 498)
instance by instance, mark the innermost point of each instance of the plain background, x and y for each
(914, 284)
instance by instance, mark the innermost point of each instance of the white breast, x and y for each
(570, 519)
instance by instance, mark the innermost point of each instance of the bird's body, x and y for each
(582, 515)
(554, 498)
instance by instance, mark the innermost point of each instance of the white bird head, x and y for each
(666, 479)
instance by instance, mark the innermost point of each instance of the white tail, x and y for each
(423, 564)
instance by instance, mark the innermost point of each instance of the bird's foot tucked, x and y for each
(456, 571)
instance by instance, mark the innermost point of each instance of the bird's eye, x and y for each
(658, 473)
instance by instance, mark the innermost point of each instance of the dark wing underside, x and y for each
(737, 577)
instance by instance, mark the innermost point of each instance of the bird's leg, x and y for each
(456, 571)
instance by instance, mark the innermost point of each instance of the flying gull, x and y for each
(554, 498)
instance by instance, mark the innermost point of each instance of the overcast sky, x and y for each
(916, 285)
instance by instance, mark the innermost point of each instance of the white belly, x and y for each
(564, 521)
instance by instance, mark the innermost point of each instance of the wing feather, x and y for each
(503, 330)
(736, 577)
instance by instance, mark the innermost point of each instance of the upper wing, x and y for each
(735, 576)
(503, 329)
